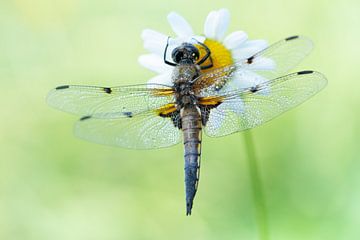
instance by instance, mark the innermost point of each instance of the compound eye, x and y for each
(177, 56)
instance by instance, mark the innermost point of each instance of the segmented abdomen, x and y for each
(191, 126)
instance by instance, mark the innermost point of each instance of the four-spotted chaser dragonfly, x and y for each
(154, 116)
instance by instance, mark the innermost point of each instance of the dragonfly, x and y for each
(148, 116)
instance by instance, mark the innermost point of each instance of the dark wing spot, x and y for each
(128, 114)
(205, 113)
(175, 118)
(85, 118)
(62, 87)
(291, 38)
(107, 90)
(254, 89)
(305, 72)
(250, 60)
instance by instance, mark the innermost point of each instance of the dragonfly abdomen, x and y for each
(191, 126)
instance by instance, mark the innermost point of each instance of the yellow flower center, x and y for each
(220, 55)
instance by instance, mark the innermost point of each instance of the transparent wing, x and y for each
(142, 131)
(270, 63)
(104, 102)
(279, 58)
(128, 116)
(247, 108)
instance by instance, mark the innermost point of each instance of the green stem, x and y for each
(257, 187)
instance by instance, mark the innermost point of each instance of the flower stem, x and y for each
(257, 187)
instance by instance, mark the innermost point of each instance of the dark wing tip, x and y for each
(62, 87)
(85, 118)
(305, 72)
(291, 38)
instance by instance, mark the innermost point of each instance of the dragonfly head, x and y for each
(186, 53)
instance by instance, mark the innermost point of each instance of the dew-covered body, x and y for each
(190, 115)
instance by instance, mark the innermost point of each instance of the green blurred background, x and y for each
(55, 186)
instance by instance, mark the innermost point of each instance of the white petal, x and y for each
(149, 34)
(198, 38)
(164, 78)
(246, 79)
(248, 49)
(216, 24)
(154, 42)
(154, 63)
(179, 25)
(243, 53)
(210, 23)
(235, 40)
(259, 44)
(262, 63)
(223, 20)
(175, 42)
(155, 47)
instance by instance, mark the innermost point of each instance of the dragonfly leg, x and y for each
(165, 52)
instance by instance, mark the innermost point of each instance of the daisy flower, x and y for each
(224, 50)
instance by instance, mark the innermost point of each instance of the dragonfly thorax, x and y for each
(185, 73)
(185, 94)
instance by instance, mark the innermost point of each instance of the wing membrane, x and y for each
(285, 54)
(270, 63)
(103, 102)
(142, 131)
(250, 107)
(127, 116)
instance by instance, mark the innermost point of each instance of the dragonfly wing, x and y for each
(104, 102)
(270, 63)
(243, 109)
(279, 58)
(138, 116)
(142, 131)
